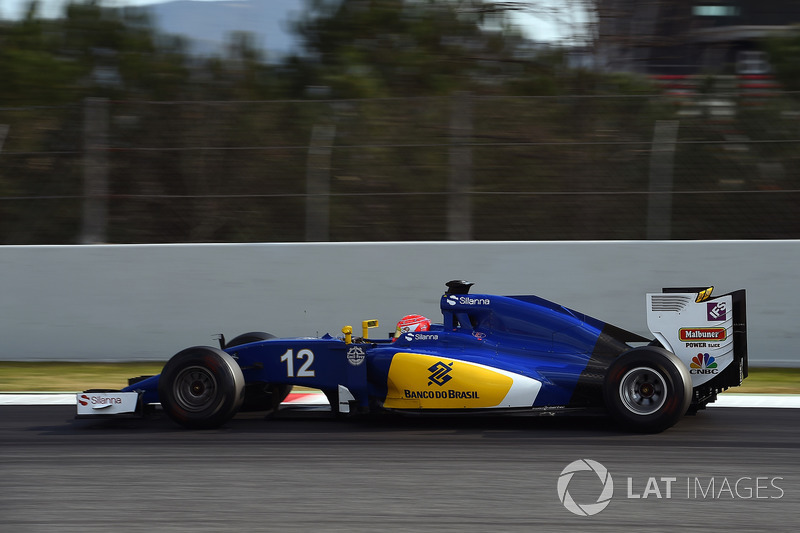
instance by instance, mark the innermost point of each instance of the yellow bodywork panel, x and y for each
(418, 381)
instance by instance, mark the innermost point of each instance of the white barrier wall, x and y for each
(146, 302)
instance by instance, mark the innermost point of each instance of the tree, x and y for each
(784, 50)
(371, 48)
(31, 73)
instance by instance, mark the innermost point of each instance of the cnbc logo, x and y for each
(440, 373)
(703, 363)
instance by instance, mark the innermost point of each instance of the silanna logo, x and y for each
(454, 299)
(421, 337)
(703, 363)
(98, 400)
(440, 373)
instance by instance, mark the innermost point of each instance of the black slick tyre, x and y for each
(246, 338)
(260, 396)
(201, 387)
(647, 389)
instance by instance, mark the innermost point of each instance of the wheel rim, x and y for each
(195, 388)
(643, 391)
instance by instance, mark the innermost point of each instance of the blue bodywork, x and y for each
(567, 351)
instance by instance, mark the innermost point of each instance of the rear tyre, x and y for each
(201, 387)
(260, 396)
(647, 389)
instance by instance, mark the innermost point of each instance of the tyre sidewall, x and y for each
(246, 338)
(276, 392)
(678, 389)
(228, 394)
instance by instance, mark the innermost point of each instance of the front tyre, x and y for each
(201, 387)
(245, 338)
(647, 389)
(260, 396)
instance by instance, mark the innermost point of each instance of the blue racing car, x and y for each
(490, 354)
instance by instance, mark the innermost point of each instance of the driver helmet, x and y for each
(411, 323)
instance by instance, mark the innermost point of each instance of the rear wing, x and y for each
(708, 333)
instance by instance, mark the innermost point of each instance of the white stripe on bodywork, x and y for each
(523, 392)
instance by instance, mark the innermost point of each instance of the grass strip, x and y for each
(70, 377)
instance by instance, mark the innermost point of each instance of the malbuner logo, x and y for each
(586, 509)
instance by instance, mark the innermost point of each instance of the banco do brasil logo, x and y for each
(439, 373)
(585, 509)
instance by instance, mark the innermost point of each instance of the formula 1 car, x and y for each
(491, 354)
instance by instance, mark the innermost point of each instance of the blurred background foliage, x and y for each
(217, 149)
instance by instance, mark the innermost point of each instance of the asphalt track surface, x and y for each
(306, 472)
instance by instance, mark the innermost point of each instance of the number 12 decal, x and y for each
(305, 370)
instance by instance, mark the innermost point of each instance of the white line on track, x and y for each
(784, 401)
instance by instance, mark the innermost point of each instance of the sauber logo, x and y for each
(702, 334)
(439, 373)
(83, 399)
(355, 356)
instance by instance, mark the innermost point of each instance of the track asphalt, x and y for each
(726, 469)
